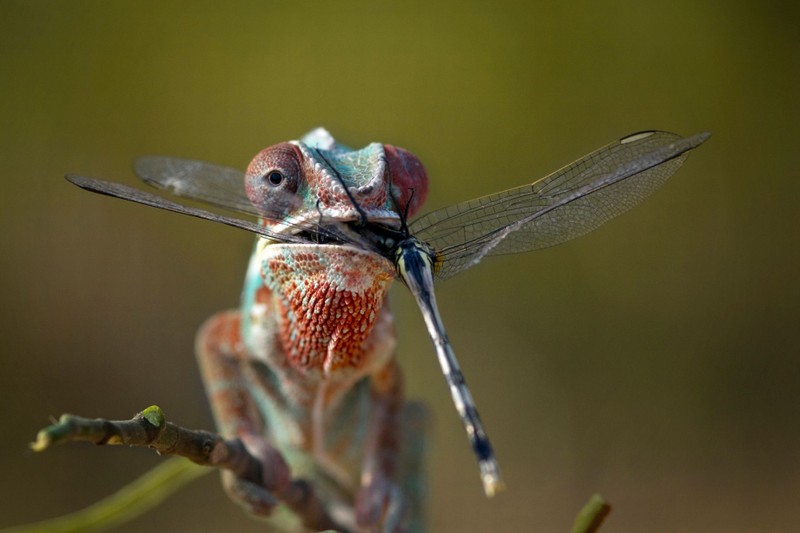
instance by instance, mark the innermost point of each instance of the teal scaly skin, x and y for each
(304, 372)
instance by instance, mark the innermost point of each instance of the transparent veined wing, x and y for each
(566, 204)
(221, 187)
(118, 190)
(197, 180)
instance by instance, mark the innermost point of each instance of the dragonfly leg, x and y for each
(222, 359)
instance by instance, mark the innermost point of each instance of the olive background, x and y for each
(654, 361)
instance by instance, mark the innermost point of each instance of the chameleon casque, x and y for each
(304, 371)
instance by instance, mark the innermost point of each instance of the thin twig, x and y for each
(150, 429)
(130, 501)
(592, 515)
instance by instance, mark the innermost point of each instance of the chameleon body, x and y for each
(304, 372)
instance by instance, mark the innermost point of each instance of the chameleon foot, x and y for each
(380, 506)
(258, 496)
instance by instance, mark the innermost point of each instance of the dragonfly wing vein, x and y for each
(197, 180)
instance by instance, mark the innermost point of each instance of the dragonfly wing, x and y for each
(566, 204)
(218, 186)
(302, 231)
(124, 192)
(206, 182)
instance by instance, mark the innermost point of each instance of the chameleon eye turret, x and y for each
(272, 181)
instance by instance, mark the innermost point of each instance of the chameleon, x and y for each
(309, 357)
(304, 371)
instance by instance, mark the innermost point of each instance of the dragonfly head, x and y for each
(315, 181)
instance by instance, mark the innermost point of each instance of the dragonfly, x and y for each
(323, 197)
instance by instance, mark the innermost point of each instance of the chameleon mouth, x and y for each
(319, 237)
(336, 226)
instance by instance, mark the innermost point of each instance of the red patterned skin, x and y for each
(328, 298)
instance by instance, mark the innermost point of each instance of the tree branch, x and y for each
(150, 429)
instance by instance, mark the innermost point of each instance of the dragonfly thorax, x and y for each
(414, 258)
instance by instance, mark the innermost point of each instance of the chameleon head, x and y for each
(323, 299)
(301, 183)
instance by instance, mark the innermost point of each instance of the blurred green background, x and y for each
(655, 361)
